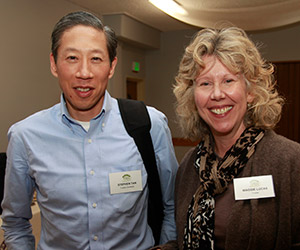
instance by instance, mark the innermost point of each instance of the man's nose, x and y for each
(84, 70)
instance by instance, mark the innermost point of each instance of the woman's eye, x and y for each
(228, 80)
(204, 84)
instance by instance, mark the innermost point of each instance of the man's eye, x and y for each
(71, 58)
(96, 59)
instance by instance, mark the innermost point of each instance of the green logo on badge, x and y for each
(126, 177)
(254, 183)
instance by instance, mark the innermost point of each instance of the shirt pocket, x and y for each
(133, 201)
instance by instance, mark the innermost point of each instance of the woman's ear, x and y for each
(250, 97)
(53, 67)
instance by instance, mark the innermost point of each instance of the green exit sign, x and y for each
(135, 66)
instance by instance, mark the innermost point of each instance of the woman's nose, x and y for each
(217, 92)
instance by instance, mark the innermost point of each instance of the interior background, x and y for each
(28, 86)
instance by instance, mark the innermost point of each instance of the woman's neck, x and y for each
(224, 141)
(223, 144)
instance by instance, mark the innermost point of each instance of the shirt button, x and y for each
(95, 237)
(92, 172)
(103, 124)
(94, 205)
(89, 140)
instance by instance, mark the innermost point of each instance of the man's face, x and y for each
(83, 70)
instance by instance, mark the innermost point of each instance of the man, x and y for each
(72, 154)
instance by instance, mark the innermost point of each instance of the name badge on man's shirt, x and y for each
(254, 187)
(124, 182)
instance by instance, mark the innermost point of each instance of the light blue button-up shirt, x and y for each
(69, 168)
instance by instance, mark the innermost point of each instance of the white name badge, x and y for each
(124, 182)
(254, 187)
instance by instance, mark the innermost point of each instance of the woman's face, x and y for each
(221, 98)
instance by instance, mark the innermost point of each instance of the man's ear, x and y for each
(112, 67)
(53, 67)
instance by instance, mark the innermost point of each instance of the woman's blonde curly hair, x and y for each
(239, 54)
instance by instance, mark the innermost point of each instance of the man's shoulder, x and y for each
(35, 119)
(158, 120)
(156, 116)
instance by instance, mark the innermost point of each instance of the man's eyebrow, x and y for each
(98, 51)
(71, 49)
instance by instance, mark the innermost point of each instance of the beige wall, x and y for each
(28, 86)
(26, 82)
(127, 54)
(278, 45)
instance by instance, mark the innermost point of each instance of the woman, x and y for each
(227, 100)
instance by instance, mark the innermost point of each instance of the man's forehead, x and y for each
(82, 27)
(84, 34)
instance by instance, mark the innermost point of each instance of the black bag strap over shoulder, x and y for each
(2, 176)
(138, 124)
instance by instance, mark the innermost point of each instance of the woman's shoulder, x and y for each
(187, 161)
(189, 156)
(276, 152)
(275, 142)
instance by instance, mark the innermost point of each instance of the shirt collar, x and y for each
(107, 106)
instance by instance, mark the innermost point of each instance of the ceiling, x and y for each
(247, 14)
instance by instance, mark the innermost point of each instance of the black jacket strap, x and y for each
(138, 124)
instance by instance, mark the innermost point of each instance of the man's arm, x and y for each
(18, 192)
(167, 169)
